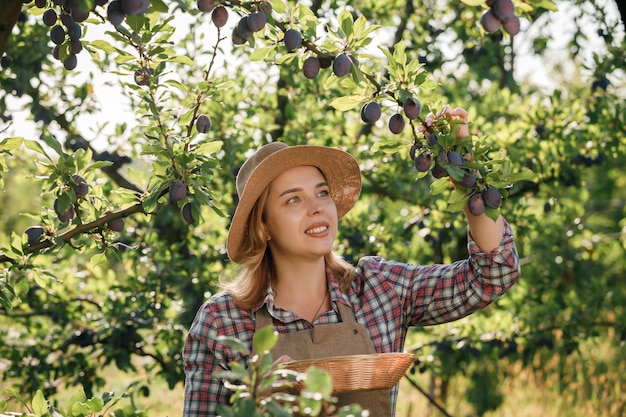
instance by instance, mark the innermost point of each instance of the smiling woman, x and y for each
(282, 235)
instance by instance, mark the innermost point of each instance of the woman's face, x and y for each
(299, 214)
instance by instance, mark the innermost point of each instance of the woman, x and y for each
(282, 236)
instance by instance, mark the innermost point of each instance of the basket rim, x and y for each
(384, 355)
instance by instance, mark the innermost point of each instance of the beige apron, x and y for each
(336, 339)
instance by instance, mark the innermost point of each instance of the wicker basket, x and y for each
(360, 372)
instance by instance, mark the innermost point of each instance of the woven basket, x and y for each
(360, 372)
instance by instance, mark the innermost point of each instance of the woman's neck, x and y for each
(301, 287)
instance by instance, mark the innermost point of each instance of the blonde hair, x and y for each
(248, 288)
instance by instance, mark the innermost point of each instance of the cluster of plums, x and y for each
(178, 192)
(501, 13)
(79, 185)
(64, 17)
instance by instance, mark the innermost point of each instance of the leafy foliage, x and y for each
(83, 296)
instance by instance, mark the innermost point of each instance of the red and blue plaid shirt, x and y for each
(387, 297)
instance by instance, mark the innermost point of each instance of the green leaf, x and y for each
(277, 410)
(347, 102)
(97, 259)
(40, 405)
(104, 46)
(209, 148)
(259, 54)
(345, 22)
(524, 175)
(11, 144)
(265, 339)
(458, 200)
(318, 381)
(474, 2)
(33, 145)
(183, 59)
(159, 6)
(439, 186)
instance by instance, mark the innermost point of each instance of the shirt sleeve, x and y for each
(435, 294)
(204, 355)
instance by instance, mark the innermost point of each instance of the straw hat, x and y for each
(339, 168)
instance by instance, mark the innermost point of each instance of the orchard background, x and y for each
(136, 101)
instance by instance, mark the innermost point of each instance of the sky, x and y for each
(115, 105)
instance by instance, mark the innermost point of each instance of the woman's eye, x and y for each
(292, 200)
(324, 193)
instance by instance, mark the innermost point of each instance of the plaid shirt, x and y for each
(387, 297)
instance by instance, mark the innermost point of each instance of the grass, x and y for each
(590, 384)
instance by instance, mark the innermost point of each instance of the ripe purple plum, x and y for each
(206, 6)
(512, 26)
(396, 124)
(476, 204)
(80, 186)
(422, 163)
(371, 112)
(412, 108)
(342, 65)
(203, 123)
(50, 17)
(70, 62)
(57, 34)
(116, 225)
(187, 213)
(243, 29)
(503, 9)
(455, 158)
(292, 39)
(135, 7)
(34, 234)
(438, 171)
(219, 16)
(257, 21)
(311, 67)
(489, 21)
(492, 197)
(178, 190)
(63, 216)
(325, 61)
(114, 13)
(468, 181)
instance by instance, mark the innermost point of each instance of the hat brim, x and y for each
(340, 169)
